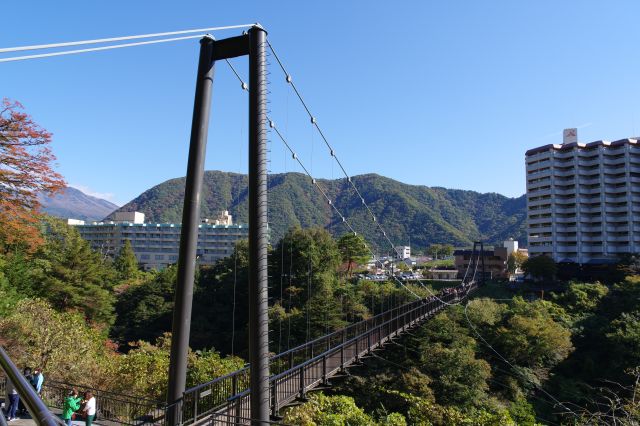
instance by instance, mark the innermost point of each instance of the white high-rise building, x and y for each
(583, 200)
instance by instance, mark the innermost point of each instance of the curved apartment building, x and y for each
(583, 200)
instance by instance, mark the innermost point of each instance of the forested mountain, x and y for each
(414, 214)
(73, 203)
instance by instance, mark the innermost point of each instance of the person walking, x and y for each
(13, 398)
(71, 405)
(89, 408)
(37, 380)
(26, 372)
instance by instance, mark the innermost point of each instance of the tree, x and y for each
(434, 250)
(540, 267)
(72, 276)
(446, 250)
(126, 263)
(515, 261)
(62, 344)
(353, 250)
(25, 172)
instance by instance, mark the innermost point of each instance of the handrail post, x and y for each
(324, 370)
(290, 360)
(274, 399)
(302, 384)
(234, 384)
(195, 405)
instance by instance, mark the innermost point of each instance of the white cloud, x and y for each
(104, 195)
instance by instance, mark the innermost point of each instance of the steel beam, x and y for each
(258, 228)
(183, 298)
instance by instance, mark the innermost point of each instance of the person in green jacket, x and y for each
(71, 405)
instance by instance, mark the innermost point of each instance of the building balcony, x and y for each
(536, 164)
(622, 209)
(615, 180)
(540, 230)
(566, 248)
(634, 168)
(591, 239)
(535, 239)
(623, 228)
(590, 209)
(565, 210)
(539, 192)
(558, 191)
(564, 202)
(588, 162)
(563, 155)
(589, 191)
(531, 203)
(566, 220)
(615, 190)
(618, 239)
(566, 239)
(619, 249)
(617, 219)
(544, 220)
(614, 161)
(564, 173)
(591, 249)
(591, 228)
(619, 199)
(565, 228)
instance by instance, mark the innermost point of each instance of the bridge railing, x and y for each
(299, 369)
(113, 407)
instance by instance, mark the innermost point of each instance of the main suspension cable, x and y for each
(112, 39)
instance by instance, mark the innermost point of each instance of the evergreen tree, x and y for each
(126, 263)
(74, 277)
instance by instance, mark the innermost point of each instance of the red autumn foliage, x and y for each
(26, 169)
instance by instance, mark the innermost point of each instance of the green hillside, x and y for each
(419, 214)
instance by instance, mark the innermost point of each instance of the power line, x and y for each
(112, 39)
(96, 49)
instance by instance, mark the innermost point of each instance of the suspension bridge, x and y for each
(256, 393)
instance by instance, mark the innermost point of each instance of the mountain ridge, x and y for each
(72, 203)
(416, 214)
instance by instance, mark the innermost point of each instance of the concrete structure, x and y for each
(511, 245)
(495, 262)
(403, 252)
(441, 274)
(156, 244)
(583, 200)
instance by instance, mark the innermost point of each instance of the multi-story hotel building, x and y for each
(156, 244)
(583, 200)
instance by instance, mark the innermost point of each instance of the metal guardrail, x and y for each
(293, 373)
(111, 407)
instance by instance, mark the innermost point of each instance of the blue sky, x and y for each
(448, 93)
